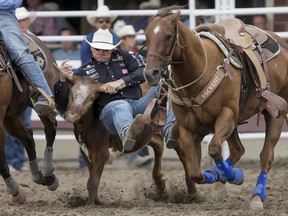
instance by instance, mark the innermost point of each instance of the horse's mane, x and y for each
(163, 12)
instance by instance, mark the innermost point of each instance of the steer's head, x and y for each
(83, 92)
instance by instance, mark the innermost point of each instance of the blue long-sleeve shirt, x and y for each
(9, 5)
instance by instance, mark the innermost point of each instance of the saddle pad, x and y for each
(234, 61)
(36, 52)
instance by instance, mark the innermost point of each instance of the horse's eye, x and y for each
(168, 37)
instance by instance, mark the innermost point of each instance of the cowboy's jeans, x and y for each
(119, 114)
(18, 51)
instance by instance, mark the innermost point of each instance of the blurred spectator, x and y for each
(260, 21)
(143, 21)
(101, 18)
(150, 5)
(61, 22)
(14, 149)
(127, 35)
(42, 25)
(69, 49)
(24, 18)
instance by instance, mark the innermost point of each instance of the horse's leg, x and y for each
(272, 135)
(189, 153)
(49, 178)
(223, 171)
(157, 145)
(190, 184)
(236, 150)
(16, 128)
(18, 196)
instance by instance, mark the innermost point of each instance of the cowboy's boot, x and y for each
(128, 134)
(44, 106)
(171, 138)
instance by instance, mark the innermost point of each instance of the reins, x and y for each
(202, 74)
(167, 60)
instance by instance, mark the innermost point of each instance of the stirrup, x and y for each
(51, 102)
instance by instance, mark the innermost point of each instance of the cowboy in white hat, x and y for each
(25, 18)
(102, 18)
(122, 73)
(127, 34)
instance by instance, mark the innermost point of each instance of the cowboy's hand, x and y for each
(115, 86)
(65, 70)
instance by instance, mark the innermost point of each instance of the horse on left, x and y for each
(16, 94)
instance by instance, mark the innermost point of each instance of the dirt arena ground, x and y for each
(130, 191)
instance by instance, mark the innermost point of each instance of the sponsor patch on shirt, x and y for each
(124, 71)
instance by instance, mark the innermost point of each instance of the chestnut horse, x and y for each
(213, 92)
(97, 145)
(13, 102)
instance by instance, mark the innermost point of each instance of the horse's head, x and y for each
(161, 35)
(83, 92)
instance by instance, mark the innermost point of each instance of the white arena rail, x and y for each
(192, 14)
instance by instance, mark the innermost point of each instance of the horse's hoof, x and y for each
(219, 192)
(54, 185)
(20, 198)
(38, 179)
(256, 203)
(238, 177)
(160, 185)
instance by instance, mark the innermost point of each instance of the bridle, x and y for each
(167, 60)
(166, 72)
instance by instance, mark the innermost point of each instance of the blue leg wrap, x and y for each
(229, 162)
(211, 176)
(260, 189)
(223, 171)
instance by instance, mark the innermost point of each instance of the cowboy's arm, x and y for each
(61, 96)
(135, 65)
(60, 88)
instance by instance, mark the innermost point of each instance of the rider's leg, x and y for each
(19, 54)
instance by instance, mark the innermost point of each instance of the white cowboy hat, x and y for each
(102, 39)
(118, 25)
(127, 30)
(151, 4)
(22, 13)
(101, 11)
